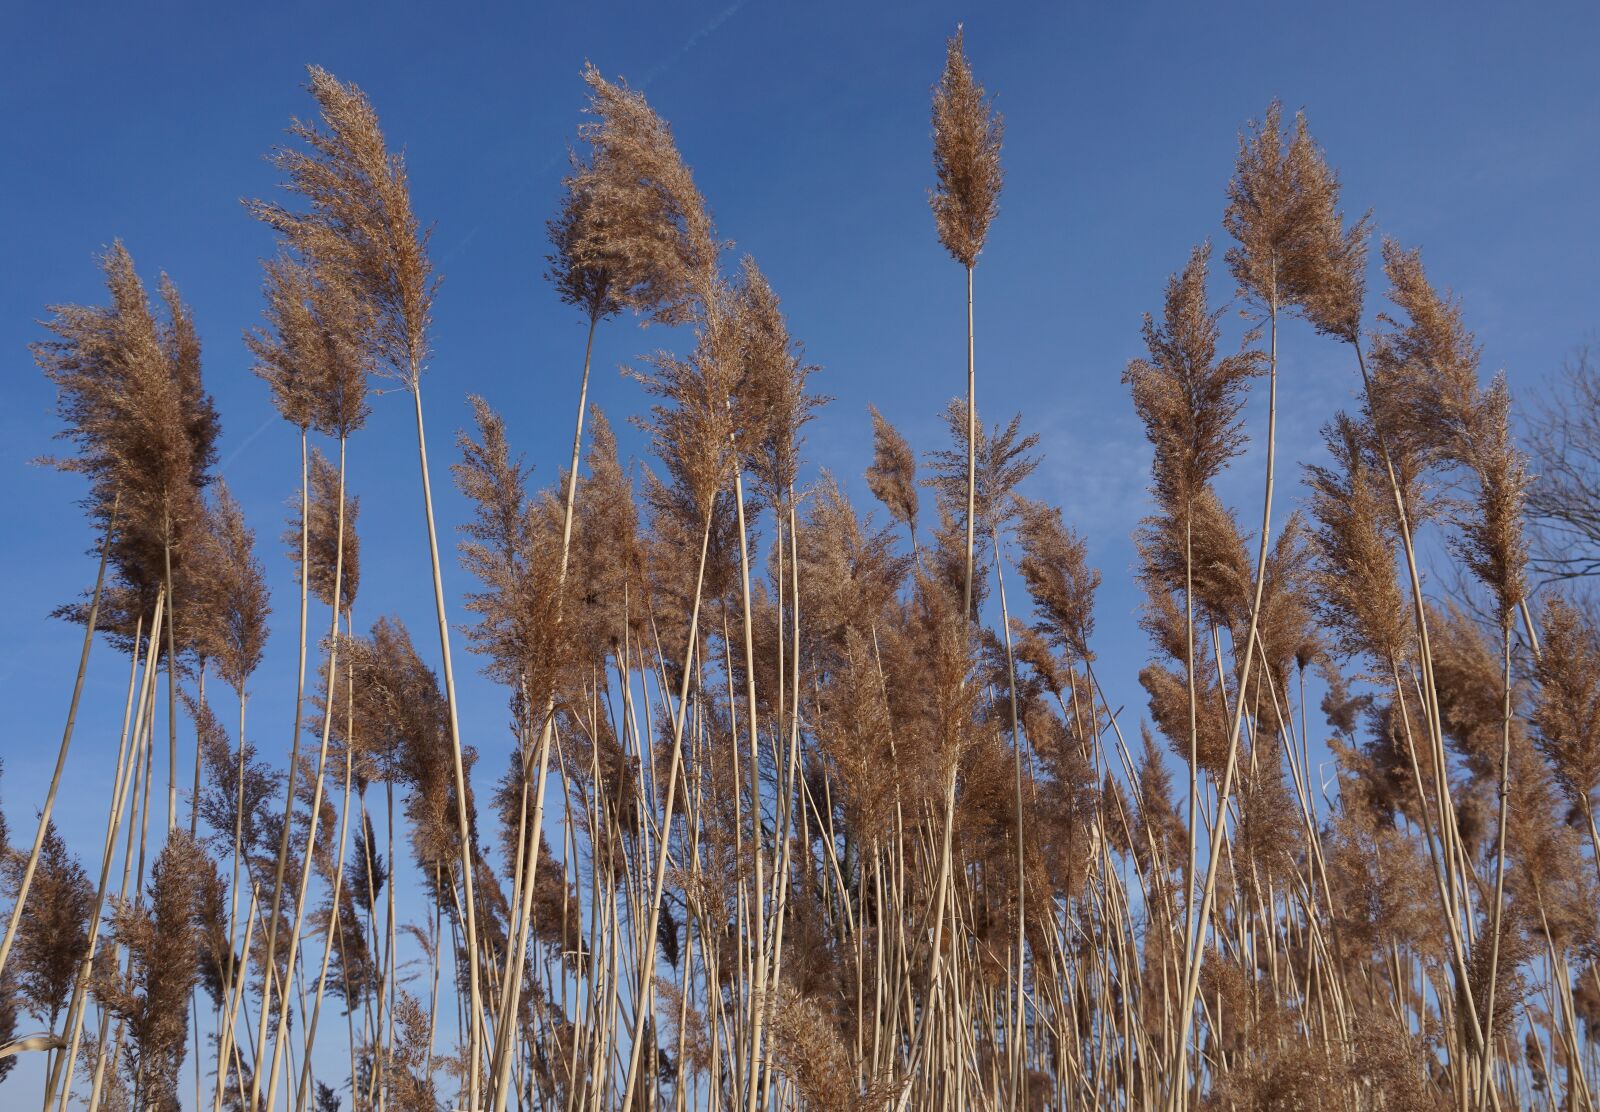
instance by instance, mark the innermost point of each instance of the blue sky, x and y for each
(1471, 130)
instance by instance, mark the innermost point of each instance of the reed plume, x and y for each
(51, 944)
(892, 478)
(1567, 709)
(632, 232)
(359, 231)
(966, 164)
(163, 942)
(1291, 249)
(314, 353)
(1059, 580)
(1358, 593)
(328, 536)
(967, 134)
(771, 396)
(232, 603)
(1189, 400)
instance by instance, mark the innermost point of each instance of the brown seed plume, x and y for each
(1567, 709)
(50, 944)
(1168, 691)
(1292, 249)
(129, 392)
(856, 740)
(358, 234)
(313, 351)
(770, 400)
(228, 585)
(513, 548)
(1494, 544)
(227, 769)
(163, 939)
(1219, 573)
(966, 157)
(1428, 403)
(1189, 400)
(848, 573)
(402, 721)
(1004, 458)
(322, 535)
(693, 429)
(606, 587)
(8, 1022)
(892, 478)
(1425, 364)
(1358, 594)
(633, 232)
(1061, 583)
(1161, 837)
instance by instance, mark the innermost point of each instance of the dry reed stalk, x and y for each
(609, 255)
(336, 596)
(60, 1081)
(20, 900)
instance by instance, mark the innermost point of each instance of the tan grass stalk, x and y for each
(21, 899)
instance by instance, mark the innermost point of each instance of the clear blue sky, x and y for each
(1473, 130)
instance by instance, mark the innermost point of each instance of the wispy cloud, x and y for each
(705, 31)
(1096, 471)
(247, 441)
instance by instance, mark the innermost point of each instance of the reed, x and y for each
(804, 807)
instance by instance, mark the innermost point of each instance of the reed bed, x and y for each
(805, 810)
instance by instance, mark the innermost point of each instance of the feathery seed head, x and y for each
(1292, 249)
(358, 233)
(323, 536)
(633, 232)
(892, 478)
(1189, 400)
(966, 157)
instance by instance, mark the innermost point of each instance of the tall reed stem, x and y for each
(474, 1025)
(306, 869)
(505, 1039)
(66, 740)
(294, 765)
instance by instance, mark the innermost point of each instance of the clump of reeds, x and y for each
(800, 808)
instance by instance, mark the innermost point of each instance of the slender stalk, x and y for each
(1014, 1043)
(66, 740)
(972, 458)
(172, 682)
(306, 869)
(500, 1078)
(467, 863)
(127, 762)
(1499, 865)
(1195, 951)
(757, 827)
(294, 764)
(647, 959)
